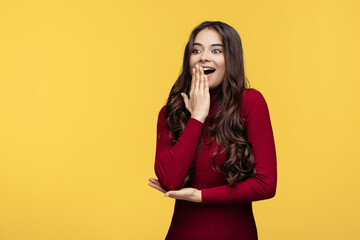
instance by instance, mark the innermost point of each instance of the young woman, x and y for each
(215, 150)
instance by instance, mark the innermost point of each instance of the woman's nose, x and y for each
(205, 56)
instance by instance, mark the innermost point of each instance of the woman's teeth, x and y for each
(208, 70)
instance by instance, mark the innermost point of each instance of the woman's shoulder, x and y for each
(162, 109)
(251, 96)
(252, 100)
(162, 113)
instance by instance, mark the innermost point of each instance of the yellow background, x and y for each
(81, 85)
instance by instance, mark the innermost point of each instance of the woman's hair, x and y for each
(229, 131)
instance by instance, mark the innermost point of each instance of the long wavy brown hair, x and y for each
(226, 126)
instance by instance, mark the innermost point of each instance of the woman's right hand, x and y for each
(199, 102)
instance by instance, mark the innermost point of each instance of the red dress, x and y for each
(225, 213)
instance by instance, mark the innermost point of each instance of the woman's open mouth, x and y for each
(209, 71)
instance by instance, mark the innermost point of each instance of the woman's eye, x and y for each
(215, 50)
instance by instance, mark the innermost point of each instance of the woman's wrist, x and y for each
(198, 197)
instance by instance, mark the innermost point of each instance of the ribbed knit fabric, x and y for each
(225, 213)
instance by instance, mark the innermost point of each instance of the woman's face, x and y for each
(208, 51)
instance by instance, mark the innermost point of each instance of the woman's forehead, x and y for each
(207, 37)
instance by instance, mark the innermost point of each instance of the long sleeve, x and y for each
(260, 135)
(172, 163)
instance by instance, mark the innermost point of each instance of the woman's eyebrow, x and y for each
(214, 44)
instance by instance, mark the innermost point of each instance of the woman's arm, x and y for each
(260, 135)
(172, 163)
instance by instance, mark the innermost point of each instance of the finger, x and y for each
(197, 72)
(154, 185)
(201, 83)
(153, 180)
(206, 84)
(192, 82)
(197, 76)
(171, 194)
(157, 187)
(156, 182)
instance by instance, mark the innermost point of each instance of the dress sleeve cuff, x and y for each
(194, 121)
(205, 198)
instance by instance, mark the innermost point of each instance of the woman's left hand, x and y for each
(188, 194)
